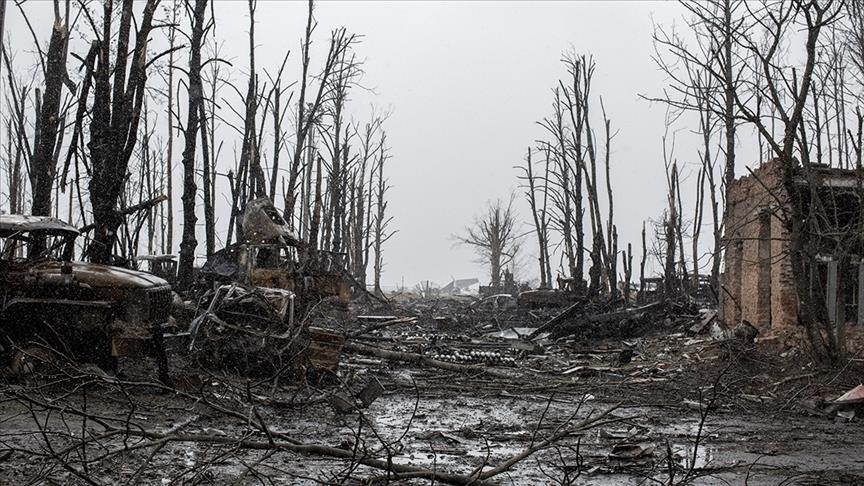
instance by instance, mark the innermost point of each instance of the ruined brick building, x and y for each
(758, 284)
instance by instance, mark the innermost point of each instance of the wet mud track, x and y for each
(447, 431)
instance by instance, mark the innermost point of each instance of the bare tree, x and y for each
(336, 137)
(703, 79)
(210, 151)
(775, 22)
(671, 229)
(2, 24)
(493, 236)
(363, 188)
(539, 212)
(169, 159)
(116, 110)
(600, 269)
(48, 133)
(381, 229)
(19, 158)
(746, 57)
(190, 134)
(566, 190)
(308, 112)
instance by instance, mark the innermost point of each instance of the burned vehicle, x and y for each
(81, 311)
(255, 297)
(271, 256)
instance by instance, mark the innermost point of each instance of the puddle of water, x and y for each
(703, 457)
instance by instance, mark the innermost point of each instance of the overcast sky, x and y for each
(466, 83)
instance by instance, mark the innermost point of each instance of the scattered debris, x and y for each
(708, 316)
(631, 451)
(854, 396)
(847, 405)
(540, 299)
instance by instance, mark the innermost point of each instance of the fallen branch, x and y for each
(280, 441)
(130, 210)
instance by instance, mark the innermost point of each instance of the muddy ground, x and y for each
(656, 407)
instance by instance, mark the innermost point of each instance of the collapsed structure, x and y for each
(759, 284)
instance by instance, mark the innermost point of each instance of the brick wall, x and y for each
(758, 276)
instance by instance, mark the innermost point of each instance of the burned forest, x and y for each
(408, 243)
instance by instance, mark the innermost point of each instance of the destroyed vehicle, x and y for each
(82, 311)
(271, 256)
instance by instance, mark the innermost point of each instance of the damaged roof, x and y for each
(13, 223)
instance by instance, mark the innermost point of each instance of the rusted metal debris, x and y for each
(84, 311)
(243, 328)
(271, 256)
(262, 223)
(254, 298)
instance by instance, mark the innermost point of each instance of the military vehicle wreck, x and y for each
(271, 256)
(82, 311)
(258, 295)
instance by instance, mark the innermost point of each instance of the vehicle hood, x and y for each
(101, 276)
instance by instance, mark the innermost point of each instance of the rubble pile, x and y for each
(585, 321)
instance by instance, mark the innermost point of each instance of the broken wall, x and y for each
(758, 281)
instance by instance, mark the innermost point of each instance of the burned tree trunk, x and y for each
(642, 261)
(208, 174)
(697, 227)
(575, 108)
(611, 230)
(344, 75)
(539, 216)
(43, 166)
(169, 161)
(627, 260)
(307, 117)
(382, 221)
(362, 198)
(598, 273)
(2, 23)
(670, 235)
(209, 150)
(315, 224)
(729, 112)
(193, 121)
(114, 126)
(568, 192)
(250, 158)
